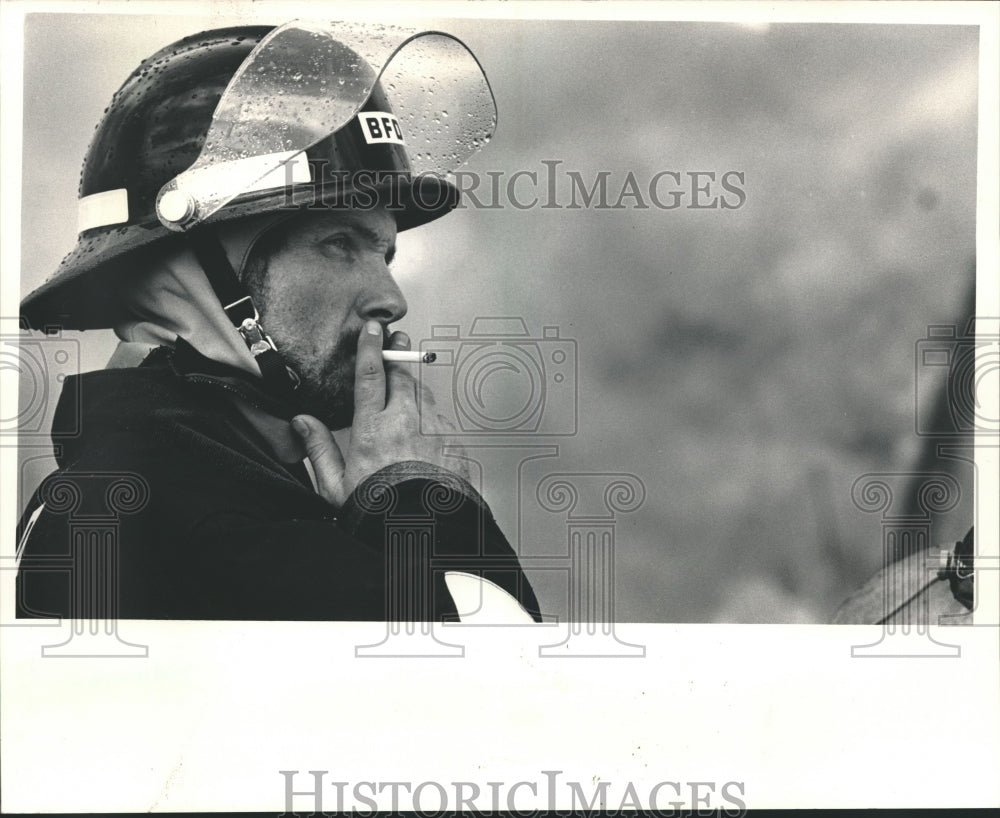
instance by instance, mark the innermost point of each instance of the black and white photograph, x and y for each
(499, 407)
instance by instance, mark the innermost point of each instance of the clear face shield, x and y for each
(306, 82)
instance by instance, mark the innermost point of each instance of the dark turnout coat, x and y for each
(169, 504)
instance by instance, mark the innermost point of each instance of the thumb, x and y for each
(324, 455)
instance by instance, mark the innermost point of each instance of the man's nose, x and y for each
(382, 300)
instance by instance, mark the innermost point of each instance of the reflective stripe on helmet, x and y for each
(111, 206)
(102, 209)
(275, 170)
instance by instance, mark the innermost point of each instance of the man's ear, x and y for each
(250, 242)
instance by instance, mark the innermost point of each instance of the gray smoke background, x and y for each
(746, 364)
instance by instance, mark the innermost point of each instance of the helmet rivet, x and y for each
(175, 206)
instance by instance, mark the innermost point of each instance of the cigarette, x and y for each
(405, 356)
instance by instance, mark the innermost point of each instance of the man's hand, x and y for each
(386, 428)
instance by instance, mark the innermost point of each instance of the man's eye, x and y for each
(339, 242)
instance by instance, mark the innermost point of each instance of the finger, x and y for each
(369, 373)
(401, 383)
(324, 455)
(399, 340)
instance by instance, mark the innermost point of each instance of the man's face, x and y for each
(316, 279)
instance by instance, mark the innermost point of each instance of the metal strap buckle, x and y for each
(246, 306)
(255, 337)
(964, 567)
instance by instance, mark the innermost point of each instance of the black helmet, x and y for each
(249, 120)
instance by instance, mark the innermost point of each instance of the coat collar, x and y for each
(268, 415)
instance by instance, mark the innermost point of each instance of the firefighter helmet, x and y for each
(242, 121)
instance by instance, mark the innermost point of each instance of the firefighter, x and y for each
(239, 207)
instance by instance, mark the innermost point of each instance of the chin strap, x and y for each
(279, 379)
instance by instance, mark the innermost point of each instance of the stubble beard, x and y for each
(326, 381)
(326, 376)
